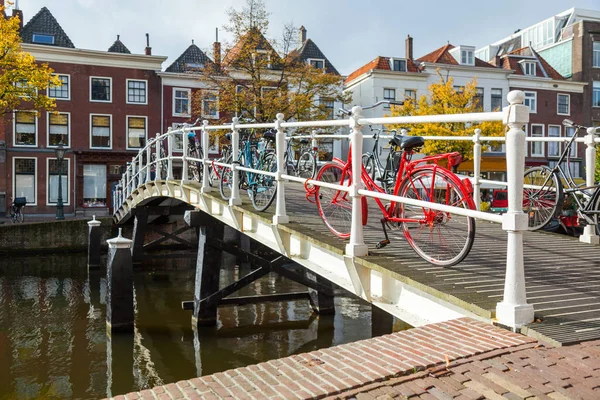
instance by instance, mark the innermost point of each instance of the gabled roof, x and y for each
(443, 56)
(192, 59)
(380, 63)
(44, 23)
(543, 70)
(310, 50)
(118, 47)
(253, 36)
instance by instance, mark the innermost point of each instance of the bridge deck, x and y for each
(562, 275)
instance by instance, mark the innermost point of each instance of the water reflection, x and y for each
(53, 340)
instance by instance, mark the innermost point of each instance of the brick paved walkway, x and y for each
(354, 366)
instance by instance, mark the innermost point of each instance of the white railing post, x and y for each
(235, 199)
(170, 143)
(158, 162)
(280, 216)
(132, 178)
(140, 169)
(514, 311)
(589, 232)
(205, 170)
(477, 168)
(357, 246)
(314, 145)
(148, 161)
(184, 166)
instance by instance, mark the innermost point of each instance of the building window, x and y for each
(459, 89)
(531, 101)
(596, 94)
(58, 129)
(177, 139)
(317, 63)
(390, 95)
(39, 38)
(94, 185)
(136, 92)
(554, 147)
(61, 92)
(398, 65)
(101, 131)
(181, 102)
(537, 148)
(262, 59)
(569, 132)
(52, 184)
(596, 55)
(528, 68)
(210, 105)
(478, 98)
(25, 128)
(25, 178)
(574, 167)
(410, 94)
(467, 58)
(496, 99)
(328, 106)
(136, 132)
(100, 89)
(564, 107)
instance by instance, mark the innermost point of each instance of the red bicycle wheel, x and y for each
(335, 206)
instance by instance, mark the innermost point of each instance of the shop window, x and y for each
(94, 185)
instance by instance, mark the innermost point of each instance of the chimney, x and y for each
(217, 50)
(409, 48)
(148, 49)
(302, 35)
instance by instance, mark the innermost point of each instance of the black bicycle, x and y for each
(305, 166)
(16, 210)
(385, 174)
(545, 189)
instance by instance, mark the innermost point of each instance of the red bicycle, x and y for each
(438, 237)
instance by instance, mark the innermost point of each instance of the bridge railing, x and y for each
(155, 162)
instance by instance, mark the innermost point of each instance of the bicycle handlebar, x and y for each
(391, 102)
(591, 130)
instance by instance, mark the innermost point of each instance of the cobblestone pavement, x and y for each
(531, 371)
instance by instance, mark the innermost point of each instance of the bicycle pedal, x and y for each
(382, 244)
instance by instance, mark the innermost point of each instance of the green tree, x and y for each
(23, 82)
(443, 98)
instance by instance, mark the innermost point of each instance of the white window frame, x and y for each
(110, 92)
(558, 144)
(189, 107)
(541, 144)
(309, 61)
(573, 152)
(68, 98)
(15, 129)
(494, 96)
(568, 103)
(48, 202)
(35, 183)
(110, 138)
(387, 106)
(127, 131)
(595, 91)
(216, 115)
(410, 97)
(176, 125)
(267, 52)
(528, 66)
(127, 91)
(532, 111)
(596, 53)
(467, 57)
(66, 145)
(392, 60)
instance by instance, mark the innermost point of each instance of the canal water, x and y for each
(54, 345)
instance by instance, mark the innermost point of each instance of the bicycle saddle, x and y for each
(228, 136)
(407, 142)
(269, 135)
(303, 141)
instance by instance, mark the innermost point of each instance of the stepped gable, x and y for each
(44, 23)
(310, 50)
(192, 59)
(118, 47)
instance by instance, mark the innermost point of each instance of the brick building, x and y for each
(107, 106)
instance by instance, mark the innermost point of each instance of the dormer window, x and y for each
(467, 57)
(528, 68)
(42, 39)
(398, 64)
(317, 63)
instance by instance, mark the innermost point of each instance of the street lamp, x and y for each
(60, 155)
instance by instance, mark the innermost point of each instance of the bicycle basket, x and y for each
(20, 201)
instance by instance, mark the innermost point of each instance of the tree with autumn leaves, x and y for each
(259, 78)
(23, 82)
(443, 98)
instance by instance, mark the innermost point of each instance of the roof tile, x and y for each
(44, 23)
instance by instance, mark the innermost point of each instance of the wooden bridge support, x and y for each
(321, 301)
(139, 233)
(119, 278)
(382, 322)
(94, 238)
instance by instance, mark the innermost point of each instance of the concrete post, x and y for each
(477, 168)
(589, 232)
(139, 233)
(322, 303)
(514, 311)
(357, 246)
(382, 322)
(280, 216)
(94, 236)
(119, 278)
(235, 199)
(205, 168)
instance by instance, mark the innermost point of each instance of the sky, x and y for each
(349, 32)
